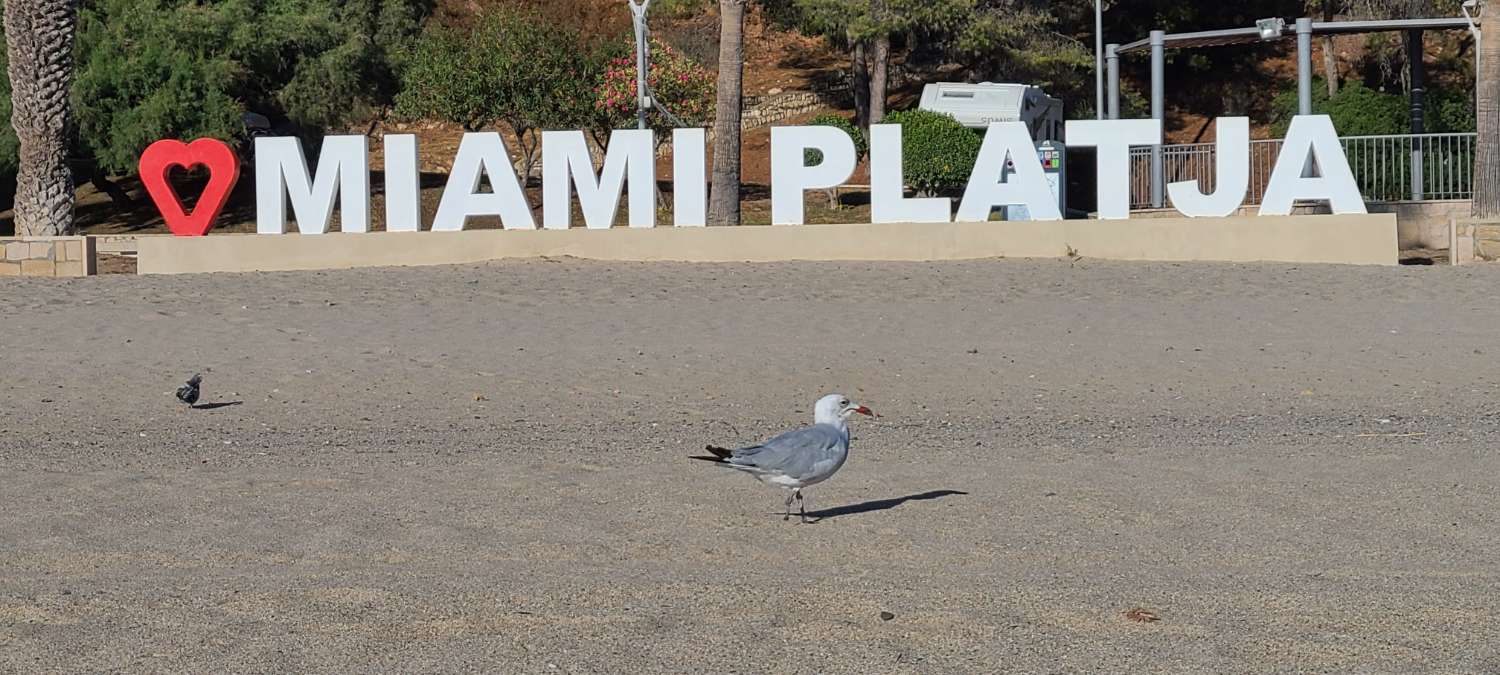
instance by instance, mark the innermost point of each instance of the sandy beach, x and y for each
(485, 469)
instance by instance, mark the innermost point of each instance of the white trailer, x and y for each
(977, 105)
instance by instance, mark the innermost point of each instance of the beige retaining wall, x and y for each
(1303, 239)
(1418, 224)
(46, 256)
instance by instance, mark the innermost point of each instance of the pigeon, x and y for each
(801, 458)
(188, 393)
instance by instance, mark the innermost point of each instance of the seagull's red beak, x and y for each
(865, 411)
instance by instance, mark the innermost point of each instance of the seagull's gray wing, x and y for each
(804, 452)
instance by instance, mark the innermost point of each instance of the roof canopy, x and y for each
(1237, 36)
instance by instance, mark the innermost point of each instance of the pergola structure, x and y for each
(1272, 30)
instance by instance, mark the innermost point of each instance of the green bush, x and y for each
(1356, 110)
(1450, 111)
(937, 153)
(861, 146)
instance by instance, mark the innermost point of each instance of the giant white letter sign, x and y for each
(888, 202)
(1113, 139)
(1027, 185)
(403, 184)
(482, 153)
(1231, 174)
(281, 173)
(1311, 137)
(566, 153)
(689, 178)
(790, 175)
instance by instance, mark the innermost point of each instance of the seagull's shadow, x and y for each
(879, 504)
(215, 406)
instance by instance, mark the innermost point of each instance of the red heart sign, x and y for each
(223, 165)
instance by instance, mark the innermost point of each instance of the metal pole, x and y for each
(1099, 57)
(1418, 103)
(1304, 66)
(643, 99)
(1112, 58)
(1158, 112)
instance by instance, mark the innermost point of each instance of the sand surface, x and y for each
(483, 468)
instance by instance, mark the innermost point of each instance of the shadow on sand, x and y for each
(879, 504)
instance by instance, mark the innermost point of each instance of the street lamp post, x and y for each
(642, 59)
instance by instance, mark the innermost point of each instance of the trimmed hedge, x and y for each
(861, 145)
(937, 153)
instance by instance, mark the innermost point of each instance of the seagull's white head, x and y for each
(836, 408)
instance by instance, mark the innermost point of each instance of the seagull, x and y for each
(188, 393)
(800, 458)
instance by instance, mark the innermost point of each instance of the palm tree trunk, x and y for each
(724, 198)
(39, 41)
(1487, 109)
(880, 57)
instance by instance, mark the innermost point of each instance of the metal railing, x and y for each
(1387, 168)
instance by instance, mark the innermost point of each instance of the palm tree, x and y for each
(1487, 112)
(39, 40)
(724, 199)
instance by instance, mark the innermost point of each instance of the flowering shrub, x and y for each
(679, 84)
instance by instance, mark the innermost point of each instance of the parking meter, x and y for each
(1054, 158)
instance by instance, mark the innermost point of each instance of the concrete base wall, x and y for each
(1424, 224)
(1418, 224)
(1369, 240)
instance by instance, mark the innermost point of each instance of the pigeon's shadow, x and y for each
(879, 504)
(216, 406)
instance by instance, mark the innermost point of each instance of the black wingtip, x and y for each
(721, 453)
(715, 460)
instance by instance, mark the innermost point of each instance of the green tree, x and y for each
(1011, 40)
(154, 69)
(865, 27)
(512, 69)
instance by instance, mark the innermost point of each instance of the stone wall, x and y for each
(778, 105)
(47, 256)
(1475, 240)
(767, 110)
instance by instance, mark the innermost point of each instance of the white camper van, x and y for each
(976, 105)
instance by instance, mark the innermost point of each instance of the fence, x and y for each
(1387, 168)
